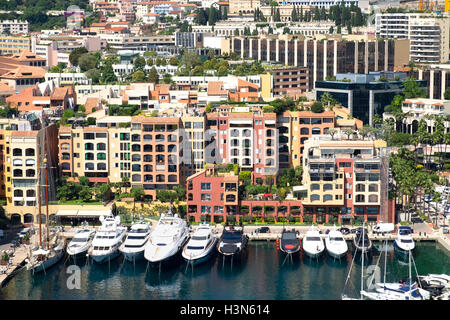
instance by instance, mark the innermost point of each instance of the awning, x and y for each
(82, 213)
(30, 162)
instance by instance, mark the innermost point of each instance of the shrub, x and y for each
(317, 107)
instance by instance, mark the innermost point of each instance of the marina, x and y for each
(262, 275)
(263, 257)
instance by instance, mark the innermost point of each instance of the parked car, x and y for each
(24, 232)
(14, 244)
(263, 230)
(344, 230)
(384, 228)
(427, 198)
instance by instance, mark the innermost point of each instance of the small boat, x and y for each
(233, 241)
(336, 244)
(201, 245)
(41, 259)
(108, 238)
(289, 243)
(81, 242)
(313, 244)
(404, 241)
(397, 291)
(361, 241)
(436, 284)
(134, 245)
(167, 239)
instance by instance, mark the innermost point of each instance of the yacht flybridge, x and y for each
(201, 245)
(105, 246)
(134, 245)
(167, 239)
(81, 242)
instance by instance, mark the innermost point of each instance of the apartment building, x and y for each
(343, 181)
(145, 150)
(14, 44)
(25, 154)
(429, 34)
(13, 27)
(326, 4)
(243, 7)
(346, 179)
(422, 109)
(437, 77)
(291, 82)
(324, 57)
(364, 94)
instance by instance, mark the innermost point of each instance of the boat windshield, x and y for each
(136, 237)
(312, 239)
(133, 245)
(195, 247)
(198, 238)
(232, 237)
(79, 240)
(289, 236)
(406, 240)
(336, 239)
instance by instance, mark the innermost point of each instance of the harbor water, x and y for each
(263, 274)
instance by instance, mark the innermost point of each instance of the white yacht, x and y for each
(107, 240)
(81, 241)
(134, 245)
(404, 241)
(167, 238)
(397, 291)
(313, 244)
(201, 245)
(336, 244)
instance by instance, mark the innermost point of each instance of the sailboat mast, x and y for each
(362, 263)
(46, 199)
(409, 264)
(39, 196)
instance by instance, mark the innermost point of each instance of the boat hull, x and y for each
(167, 258)
(401, 249)
(102, 258)
(78, 254)
(48, 263)
(205, 256)
(133, 256)
(228, 251)
(336, 254)
(311, 254)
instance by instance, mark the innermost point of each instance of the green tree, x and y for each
(317, 107)
(138, 194)
(75, 55)
(153, 76)
(190, 60)
(103, 192)
(174, 61)
(87, 62)
(447, 93)
(139, 76)
(139, 63)
(108, 75)
(412, 89)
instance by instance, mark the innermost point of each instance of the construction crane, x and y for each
(420, 4)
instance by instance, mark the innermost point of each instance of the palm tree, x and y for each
(327, 99)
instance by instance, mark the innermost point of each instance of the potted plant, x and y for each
(5, 259)
(26, 239)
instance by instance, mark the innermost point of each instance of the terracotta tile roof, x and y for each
(243, 83)
(163, 88)
(24, 133)
(5, 87)
(25, 72)
(60, 93)
(215, 88)
(27, 55)
(90, 103)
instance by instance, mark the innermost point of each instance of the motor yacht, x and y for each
(81, 242)
(313, 244)
(289, 243)
(233, 241)
(361, 241)
(134, 245)
(108, 238)
(201, 245)
(335, 244)
(404, 241)
(167, 239)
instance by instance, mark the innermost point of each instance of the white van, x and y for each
(384, 228)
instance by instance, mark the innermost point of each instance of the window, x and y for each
(315, 186)
(345, 165)
(205, 186)
(315, 197)
(328, 197)
(206, 197)
(373, 188)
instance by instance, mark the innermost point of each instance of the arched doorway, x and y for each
(28, 218)
(15, 219)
